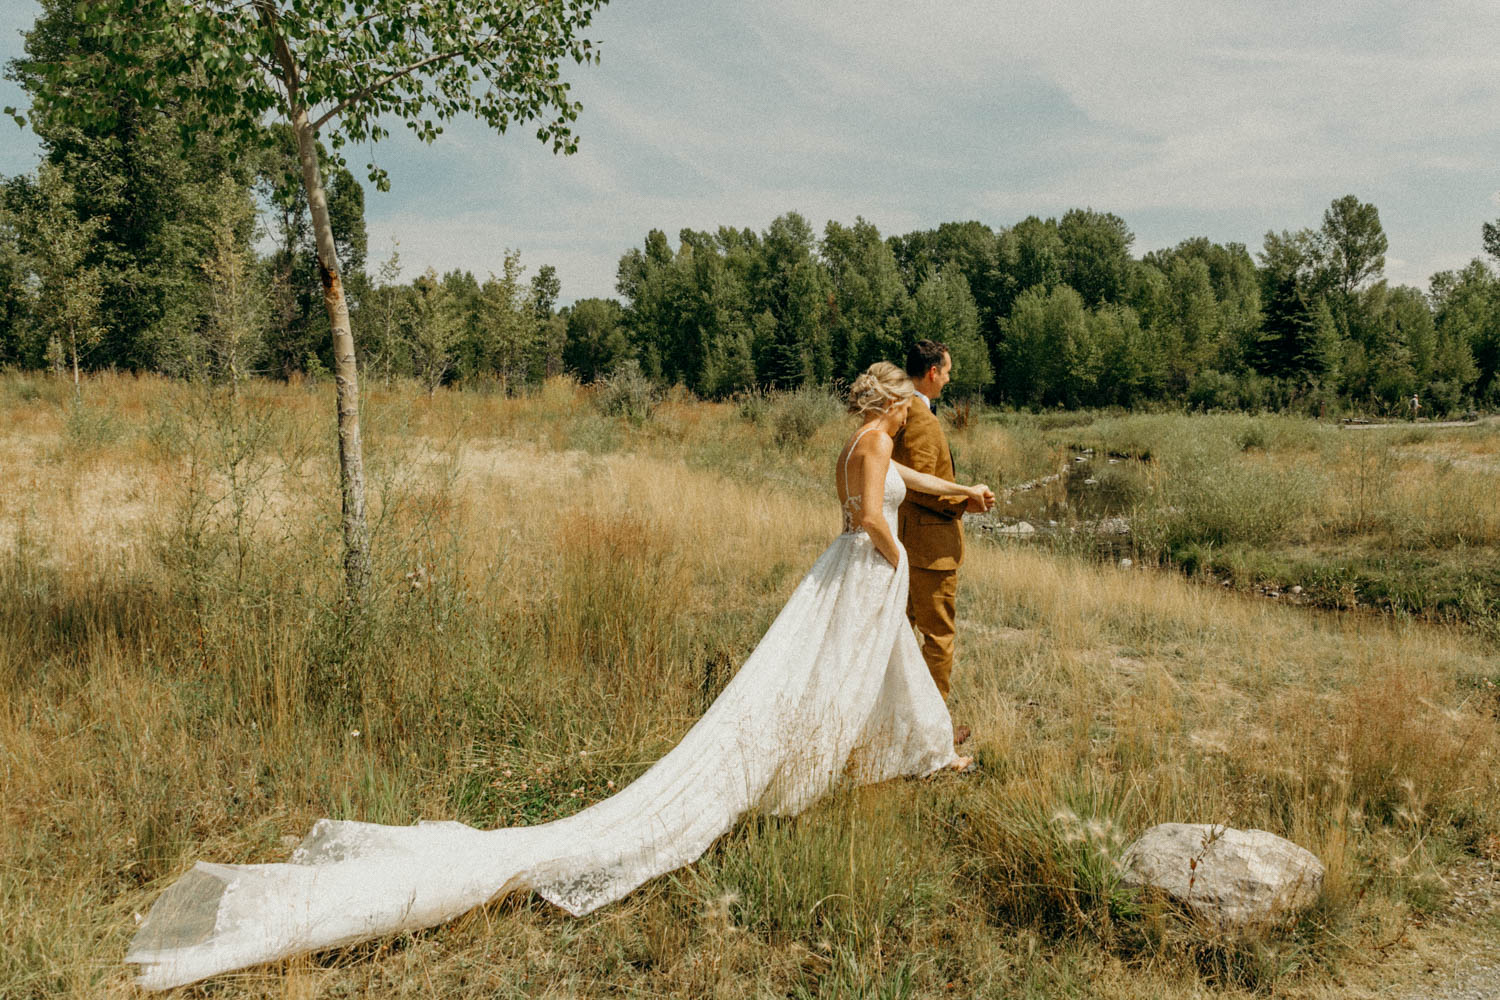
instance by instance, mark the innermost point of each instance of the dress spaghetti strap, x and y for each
(853, 505)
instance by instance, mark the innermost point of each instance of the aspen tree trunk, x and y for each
(345, 375)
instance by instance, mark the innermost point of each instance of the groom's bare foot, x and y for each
(960, 735)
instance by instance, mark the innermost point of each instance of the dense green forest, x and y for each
(129, 248)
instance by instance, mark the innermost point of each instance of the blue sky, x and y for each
(1217, 118)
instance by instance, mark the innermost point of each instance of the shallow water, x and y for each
(1092, 496)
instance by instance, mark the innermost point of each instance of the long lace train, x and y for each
(836, 691)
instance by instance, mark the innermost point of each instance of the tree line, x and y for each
(1058, 312)
(129, 249)
(98, 271)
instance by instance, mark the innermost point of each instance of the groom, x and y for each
(931, 527)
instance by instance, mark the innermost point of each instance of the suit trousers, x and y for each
(930, 607)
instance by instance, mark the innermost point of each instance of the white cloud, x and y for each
(1181, 71)
(1187, 117)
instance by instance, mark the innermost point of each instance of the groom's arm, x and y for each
(923, 451)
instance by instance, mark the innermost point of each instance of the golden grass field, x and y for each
(559, 595)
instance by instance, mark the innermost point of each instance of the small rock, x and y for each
(1126, 564)
(1091, 481)
(1233, 878)
(1020, 528)
(1297, 589)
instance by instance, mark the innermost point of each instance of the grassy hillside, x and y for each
(561, 591)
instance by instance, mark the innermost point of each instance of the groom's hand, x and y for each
(981, 503)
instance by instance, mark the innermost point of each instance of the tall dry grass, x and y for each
(559, 593)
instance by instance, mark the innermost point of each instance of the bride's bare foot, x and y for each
(963, 765)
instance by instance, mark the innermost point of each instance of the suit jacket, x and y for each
(930, 527)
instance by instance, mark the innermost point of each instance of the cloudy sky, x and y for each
(1218, 118)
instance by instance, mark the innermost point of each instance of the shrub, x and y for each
(793, 417)
(90, 427)
(1212, 390)
(1252, 435)
(627, 393)
(754, 405)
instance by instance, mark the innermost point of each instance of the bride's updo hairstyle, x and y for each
(879, 388)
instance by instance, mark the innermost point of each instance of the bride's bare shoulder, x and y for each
(873, 442)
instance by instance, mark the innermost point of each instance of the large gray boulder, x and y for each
(1233, 878)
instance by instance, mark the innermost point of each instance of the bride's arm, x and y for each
(923, 483)
(875, 455)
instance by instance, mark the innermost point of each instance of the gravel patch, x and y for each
(1475, 888)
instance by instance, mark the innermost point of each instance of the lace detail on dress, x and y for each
(854, 507)
(854, 504)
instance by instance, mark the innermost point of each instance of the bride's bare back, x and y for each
(859, 481)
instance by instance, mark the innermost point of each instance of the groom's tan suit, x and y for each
(931, 529)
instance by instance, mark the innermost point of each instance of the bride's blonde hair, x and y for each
(880, 387)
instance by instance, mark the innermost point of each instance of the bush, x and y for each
(1251, 436)
(1212, 390)
(793, 417)
(754, 405)
(90, 427)
(1443, 398)
(627, 393)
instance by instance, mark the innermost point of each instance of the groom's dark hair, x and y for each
(923, 356)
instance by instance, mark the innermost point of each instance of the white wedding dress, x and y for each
(836, 691)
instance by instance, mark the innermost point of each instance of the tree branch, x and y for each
(261, 62)
(517, 15)
(391, 78)
(283, 52)
(362, 22)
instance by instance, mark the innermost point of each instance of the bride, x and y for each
(836, 692)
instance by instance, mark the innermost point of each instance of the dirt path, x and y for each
(1477, 978)
(1424, 424)
(1472, 969)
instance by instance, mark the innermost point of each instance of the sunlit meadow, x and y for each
(566, 580)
